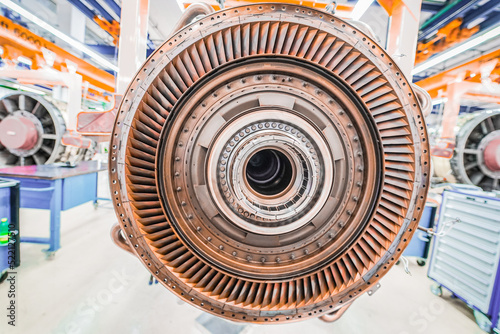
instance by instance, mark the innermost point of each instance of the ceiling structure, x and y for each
(468, 18)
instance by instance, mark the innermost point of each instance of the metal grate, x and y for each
(465, 260)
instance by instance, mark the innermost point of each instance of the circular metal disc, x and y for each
(275, 78)
(475, 160)
(48, 124)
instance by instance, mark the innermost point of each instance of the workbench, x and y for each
(55, 188)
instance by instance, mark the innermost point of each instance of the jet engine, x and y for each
(269, 163)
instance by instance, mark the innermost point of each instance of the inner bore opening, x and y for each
(269, 172)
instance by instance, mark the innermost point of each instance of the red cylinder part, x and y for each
(491, 154)
(18, 133)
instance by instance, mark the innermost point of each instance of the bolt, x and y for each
(221, 247)
(262, 259)
(179, 189)
(249, 258)
(234, 253)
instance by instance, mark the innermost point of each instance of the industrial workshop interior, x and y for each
(250, 167)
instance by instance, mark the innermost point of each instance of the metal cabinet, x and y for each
(465, 260)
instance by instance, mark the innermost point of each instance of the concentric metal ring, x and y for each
(248, 205)
(292, 66)
(468, 163)
(251, 97)
(46, 119)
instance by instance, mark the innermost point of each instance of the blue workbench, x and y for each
(55, 188)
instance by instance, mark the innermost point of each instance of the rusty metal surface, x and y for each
(344, 180)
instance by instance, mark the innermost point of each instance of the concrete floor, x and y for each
(92, 286)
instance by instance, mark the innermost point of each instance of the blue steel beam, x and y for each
(431, 7)
(482, 11)
(457, 10)
(108, 50)
(114, 7)
(490, 22)
(103, 12)
(83, 8)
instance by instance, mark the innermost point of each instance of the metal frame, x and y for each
(55, 195)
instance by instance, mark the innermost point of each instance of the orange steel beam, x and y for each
(390, 5)
(16, 39)
(113, 28)
(440, 81)
(445, 38)
(307, 3)
(482, 97)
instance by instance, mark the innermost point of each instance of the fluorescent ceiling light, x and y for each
(439, 101)
(360, 8)
(76, 44)
(28, 89)
(444, 56)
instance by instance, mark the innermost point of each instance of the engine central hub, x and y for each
(269, 172)
(232, 205)
(18, 132)
(491, 153)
